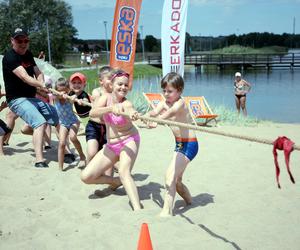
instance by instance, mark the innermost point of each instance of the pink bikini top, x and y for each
(113, 119)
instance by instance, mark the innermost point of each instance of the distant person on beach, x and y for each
(241, 88)
(89, 59)
(123, 140)
(186, 144)
(68, 123)
(95, 130)
(82, 58)
(22, 77)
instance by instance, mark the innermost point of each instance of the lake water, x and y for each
(275, 94)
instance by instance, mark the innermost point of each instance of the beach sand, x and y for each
(236, 202)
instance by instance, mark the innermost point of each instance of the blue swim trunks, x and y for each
(187, 146)
(96, 131)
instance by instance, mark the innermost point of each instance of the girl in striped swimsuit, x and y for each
(68, 123)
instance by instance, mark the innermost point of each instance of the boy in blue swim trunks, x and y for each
(186, 145)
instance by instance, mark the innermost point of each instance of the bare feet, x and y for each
(164, 213)
(137, 207)
(82, 164)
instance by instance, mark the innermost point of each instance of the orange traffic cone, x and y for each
(145, 240)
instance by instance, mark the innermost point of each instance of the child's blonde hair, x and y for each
(173, 79)
(105, 71)
(61, 82)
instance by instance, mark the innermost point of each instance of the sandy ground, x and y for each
(236, 203)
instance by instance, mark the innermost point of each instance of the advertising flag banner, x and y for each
(124, 33)
(173, 30)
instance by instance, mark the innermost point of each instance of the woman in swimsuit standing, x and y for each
(241, 88)
(123, 140)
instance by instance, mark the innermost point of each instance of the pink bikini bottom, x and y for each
(118, 146)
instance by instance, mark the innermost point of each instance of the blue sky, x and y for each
(205, 17)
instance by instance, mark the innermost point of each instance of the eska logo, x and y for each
(125, 34)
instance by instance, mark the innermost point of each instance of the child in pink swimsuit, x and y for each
(123, 140)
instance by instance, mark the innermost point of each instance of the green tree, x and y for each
(188, 43)
(32, 15)
(151, 44)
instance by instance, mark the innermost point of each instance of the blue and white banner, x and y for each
(173, 30)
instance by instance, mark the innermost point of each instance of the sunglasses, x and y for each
(119, 74)
(19, 41)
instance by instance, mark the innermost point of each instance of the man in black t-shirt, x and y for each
(21, 78)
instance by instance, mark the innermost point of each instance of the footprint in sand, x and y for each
(96, 215)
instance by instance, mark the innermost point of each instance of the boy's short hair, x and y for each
(173, 79)
(105, 71)
(61, 82)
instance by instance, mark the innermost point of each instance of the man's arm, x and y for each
(38, 74)
(22, 74)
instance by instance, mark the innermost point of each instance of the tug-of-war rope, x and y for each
(281, 143)
(184, 125)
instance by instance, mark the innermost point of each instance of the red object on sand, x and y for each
(144, 240)
(285, 144)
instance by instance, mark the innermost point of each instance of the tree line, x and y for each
(204, 43)
(33, 15)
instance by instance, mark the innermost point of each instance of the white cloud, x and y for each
(232, 3)
(217, 2)
(84, 4)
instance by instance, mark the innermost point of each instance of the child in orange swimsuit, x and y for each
(186, 145)
(123, 140)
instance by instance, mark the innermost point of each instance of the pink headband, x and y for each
(119, 74)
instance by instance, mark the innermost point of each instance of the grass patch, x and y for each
(237, 49)
(140, 70)
(228, 116)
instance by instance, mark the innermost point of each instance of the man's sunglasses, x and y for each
(19, 41)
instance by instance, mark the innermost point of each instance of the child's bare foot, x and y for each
(182, 190)
(137, 207)
(82, 164)
(115, 184)
(164, 213)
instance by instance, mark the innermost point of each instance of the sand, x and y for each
(236, 203)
